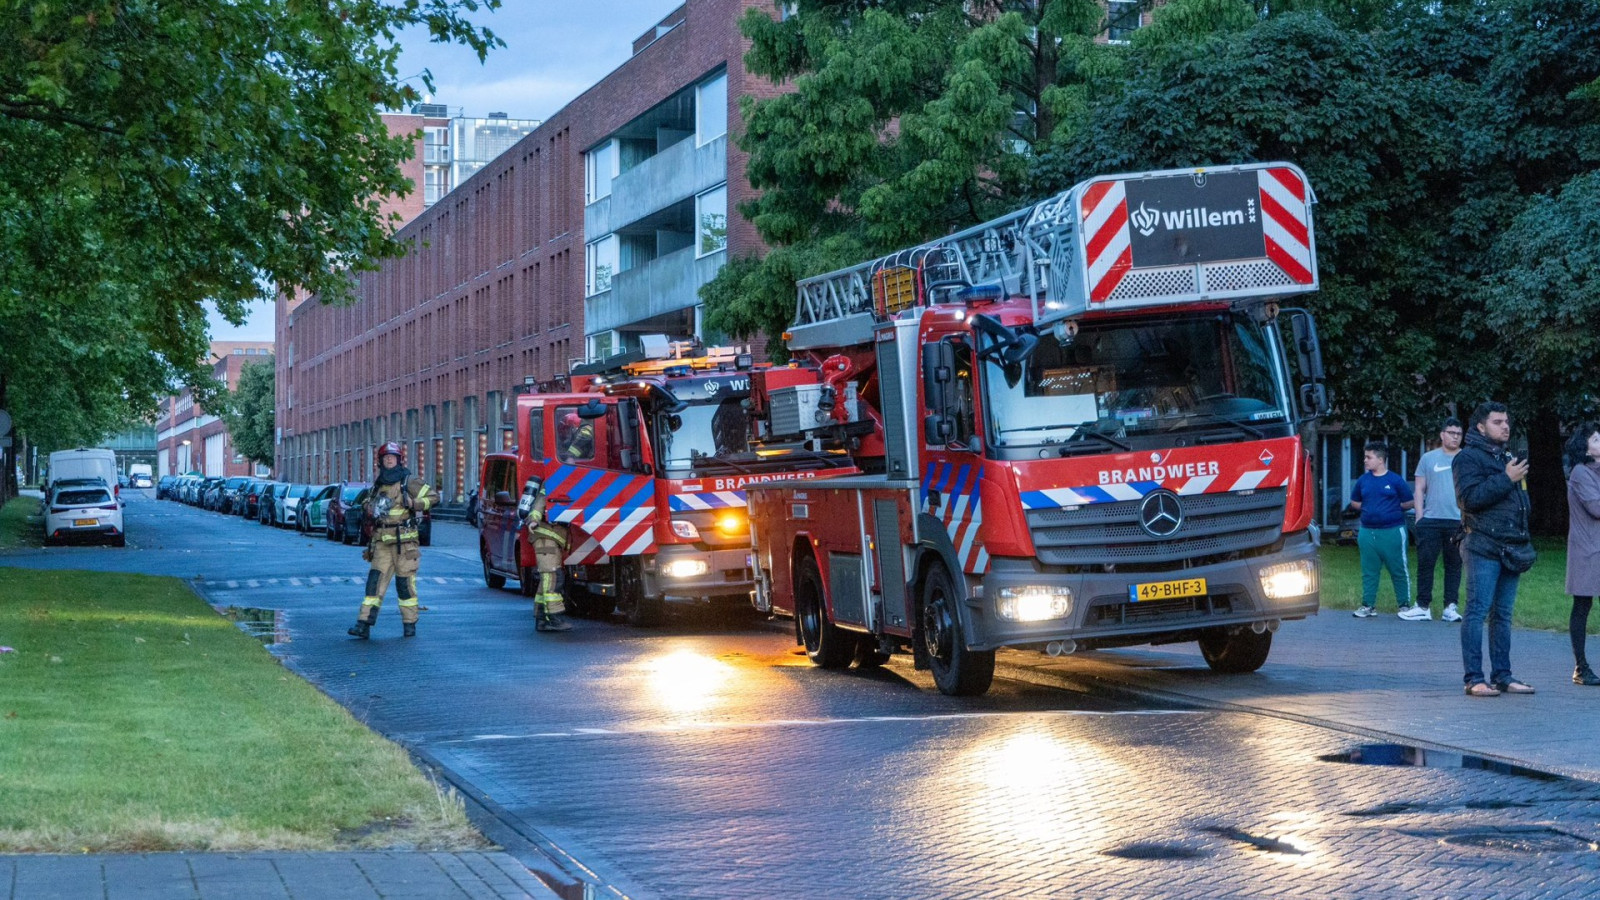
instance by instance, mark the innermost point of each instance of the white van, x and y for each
(85, 463)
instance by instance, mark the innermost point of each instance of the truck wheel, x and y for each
(495, 582)
(642, 611)
(1235, 651)
(828, 646)
(957, 671)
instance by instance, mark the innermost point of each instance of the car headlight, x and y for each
(685, 530)
(685, 568)
(1034, 602)
(1290, 579)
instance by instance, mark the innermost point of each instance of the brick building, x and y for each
(189, 439)
(597, 227)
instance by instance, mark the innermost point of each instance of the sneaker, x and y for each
(1365, 612)
(1451, 614)
(1416, 614)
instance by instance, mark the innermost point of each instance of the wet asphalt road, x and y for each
(707, 759)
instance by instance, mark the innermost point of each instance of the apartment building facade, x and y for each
(191, 439)
(600, 225)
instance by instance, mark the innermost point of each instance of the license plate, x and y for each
(1166, 590)
(85, 523)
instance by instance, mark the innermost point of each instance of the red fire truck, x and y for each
(654, 498)
(1086, 433)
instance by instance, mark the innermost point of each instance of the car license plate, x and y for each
(85, 523)
(1166, 590)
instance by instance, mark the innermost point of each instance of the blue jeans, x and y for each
(1491, 594)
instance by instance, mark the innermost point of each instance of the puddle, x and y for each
(1524, 840)
(265, 625)
(1156, 851)
(1405, 755)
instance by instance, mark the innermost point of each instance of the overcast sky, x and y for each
(554, 51)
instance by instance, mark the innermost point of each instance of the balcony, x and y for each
(671, 176)
(666, 284)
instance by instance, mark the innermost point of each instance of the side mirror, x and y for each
(938, 368)
(938, 428)
(1306, 344)
(1313, 399)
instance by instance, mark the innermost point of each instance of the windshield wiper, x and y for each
(1213, 418)
(1080, 432)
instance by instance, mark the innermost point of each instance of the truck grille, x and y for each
(1214, 525)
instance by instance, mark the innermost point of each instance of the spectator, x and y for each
(1438, 525)
(1583, 541)
(1382, 497)
(1492, 491)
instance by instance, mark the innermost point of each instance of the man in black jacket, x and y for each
(1492, 491)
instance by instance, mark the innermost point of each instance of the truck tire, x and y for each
(957, 671)
(642, 611)
(1235, 651)
(495, 582)
(827, 645)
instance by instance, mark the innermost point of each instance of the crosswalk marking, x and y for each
(312, 582)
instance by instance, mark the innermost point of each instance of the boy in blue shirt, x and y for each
(1382, 497)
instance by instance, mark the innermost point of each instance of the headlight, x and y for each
(731, 523)
(1291, 579)
(685, 530)
(685, 568)
(1034, 602)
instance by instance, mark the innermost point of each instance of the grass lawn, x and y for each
(15, 528)
(1542, 600)
(135, 718)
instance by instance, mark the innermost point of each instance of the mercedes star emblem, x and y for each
(1160, 514)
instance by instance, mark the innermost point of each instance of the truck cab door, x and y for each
(597, 486)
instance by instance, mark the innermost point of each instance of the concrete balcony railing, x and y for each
(671, 176)
(666, 284)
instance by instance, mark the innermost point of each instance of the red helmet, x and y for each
(572, 420)
(392, 447)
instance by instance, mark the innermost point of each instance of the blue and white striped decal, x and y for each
(707, 500)
(960, 508)
(1088, 495)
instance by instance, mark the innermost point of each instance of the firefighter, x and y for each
(393, 504)
(578, 440)
(549, 541)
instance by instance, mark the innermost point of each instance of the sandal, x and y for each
(1481, 689)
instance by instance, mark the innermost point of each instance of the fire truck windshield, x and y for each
(705, 429)
(1122, 378)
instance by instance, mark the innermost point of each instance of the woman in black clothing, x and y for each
(1583, 540)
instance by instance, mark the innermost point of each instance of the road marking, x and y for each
(684, 728)
(295, 582)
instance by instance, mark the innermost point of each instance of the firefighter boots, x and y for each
(361, 629)
(550, 622)
(408, 629)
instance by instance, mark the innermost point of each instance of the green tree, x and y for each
(250, 412)
(163, 155)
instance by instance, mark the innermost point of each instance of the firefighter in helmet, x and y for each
(393, 504)
(549, 541)
(576, 439)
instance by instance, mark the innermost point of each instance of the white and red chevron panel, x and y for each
(607, 513)
(1285, 227)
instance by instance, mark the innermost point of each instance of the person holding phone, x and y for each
(1492, 491)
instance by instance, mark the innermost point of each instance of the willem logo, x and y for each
(1146, 220)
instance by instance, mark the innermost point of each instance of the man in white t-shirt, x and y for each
(1438, 525)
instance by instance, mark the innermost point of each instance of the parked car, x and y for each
(229, 494)
(344, 512)
(250, 498)
(83, 509)
(141, 475)
(123, 480)
(288, 502)
(84, 462)
(267, 508)
(216, 487)
(164, 487)
(314, 510)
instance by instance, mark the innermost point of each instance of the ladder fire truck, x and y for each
(654, 496)
(1082, 430)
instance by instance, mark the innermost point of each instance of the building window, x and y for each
(1123, 18)
(711, 221)
(600, 166)
(711, 109)
(435, 184)
(435, 146)
(602, 264)
(603, 345)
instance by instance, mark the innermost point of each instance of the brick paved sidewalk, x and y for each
(279, 876)
(1384, 676)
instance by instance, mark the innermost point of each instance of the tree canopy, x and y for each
(250, 412)
(161, 156)
(1450, 146)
